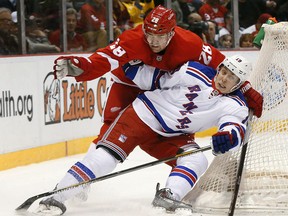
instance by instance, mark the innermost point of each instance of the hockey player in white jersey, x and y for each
(195, 98)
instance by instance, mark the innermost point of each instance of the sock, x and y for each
(96, 163)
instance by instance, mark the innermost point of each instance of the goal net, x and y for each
(264, 185)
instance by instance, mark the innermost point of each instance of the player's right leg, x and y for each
(116, 144)
(96, 163)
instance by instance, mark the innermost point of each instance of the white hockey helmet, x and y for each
(240, 66)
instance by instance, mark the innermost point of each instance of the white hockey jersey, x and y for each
(184, 101)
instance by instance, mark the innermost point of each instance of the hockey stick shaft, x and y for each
(240, 166)
(31, 200)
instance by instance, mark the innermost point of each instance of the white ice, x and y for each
(126, 195)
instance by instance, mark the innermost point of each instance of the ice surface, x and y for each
(128, 195)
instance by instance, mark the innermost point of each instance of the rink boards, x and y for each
(43, 119)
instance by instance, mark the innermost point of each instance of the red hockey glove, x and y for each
(254, 98)
(223, 141)
(67, 66)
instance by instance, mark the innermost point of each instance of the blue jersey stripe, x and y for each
(156, 80)
(149, 104)
(200, 77)
(237, 99)
(130, 71)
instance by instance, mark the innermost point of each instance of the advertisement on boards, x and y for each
(36, 109)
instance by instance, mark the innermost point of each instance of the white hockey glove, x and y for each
(67, 66)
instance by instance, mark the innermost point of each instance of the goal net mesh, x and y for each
(264, 185)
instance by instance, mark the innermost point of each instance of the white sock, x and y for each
(184, 176)
(96, 163)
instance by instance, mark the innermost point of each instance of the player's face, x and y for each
(157, 42)
(225, 80)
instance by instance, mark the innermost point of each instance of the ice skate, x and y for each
(50, 207)
(164, 199)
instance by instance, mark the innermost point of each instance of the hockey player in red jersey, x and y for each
(158, 43)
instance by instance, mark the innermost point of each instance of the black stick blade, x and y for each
(31, 200)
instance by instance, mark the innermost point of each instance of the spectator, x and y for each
(120, 15)
(37, 40)
(225, 39)
(212, 10)
(137, 10)
(8, 39)
(254, 29)
(246, 40)
(194, 18)
(212, 34)
(197, 25)
(187, 7)
(92, 24)
(75, 42)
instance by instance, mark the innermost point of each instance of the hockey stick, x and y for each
(240, 166)
(31, 200)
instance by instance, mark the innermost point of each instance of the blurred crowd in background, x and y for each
(86, 24)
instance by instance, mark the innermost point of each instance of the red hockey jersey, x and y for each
(131, 45)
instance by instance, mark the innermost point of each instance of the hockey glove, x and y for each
(223, 141)
(67, 66)
(254, 98)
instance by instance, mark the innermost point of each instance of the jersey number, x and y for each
(116, 49)
(206, 54)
